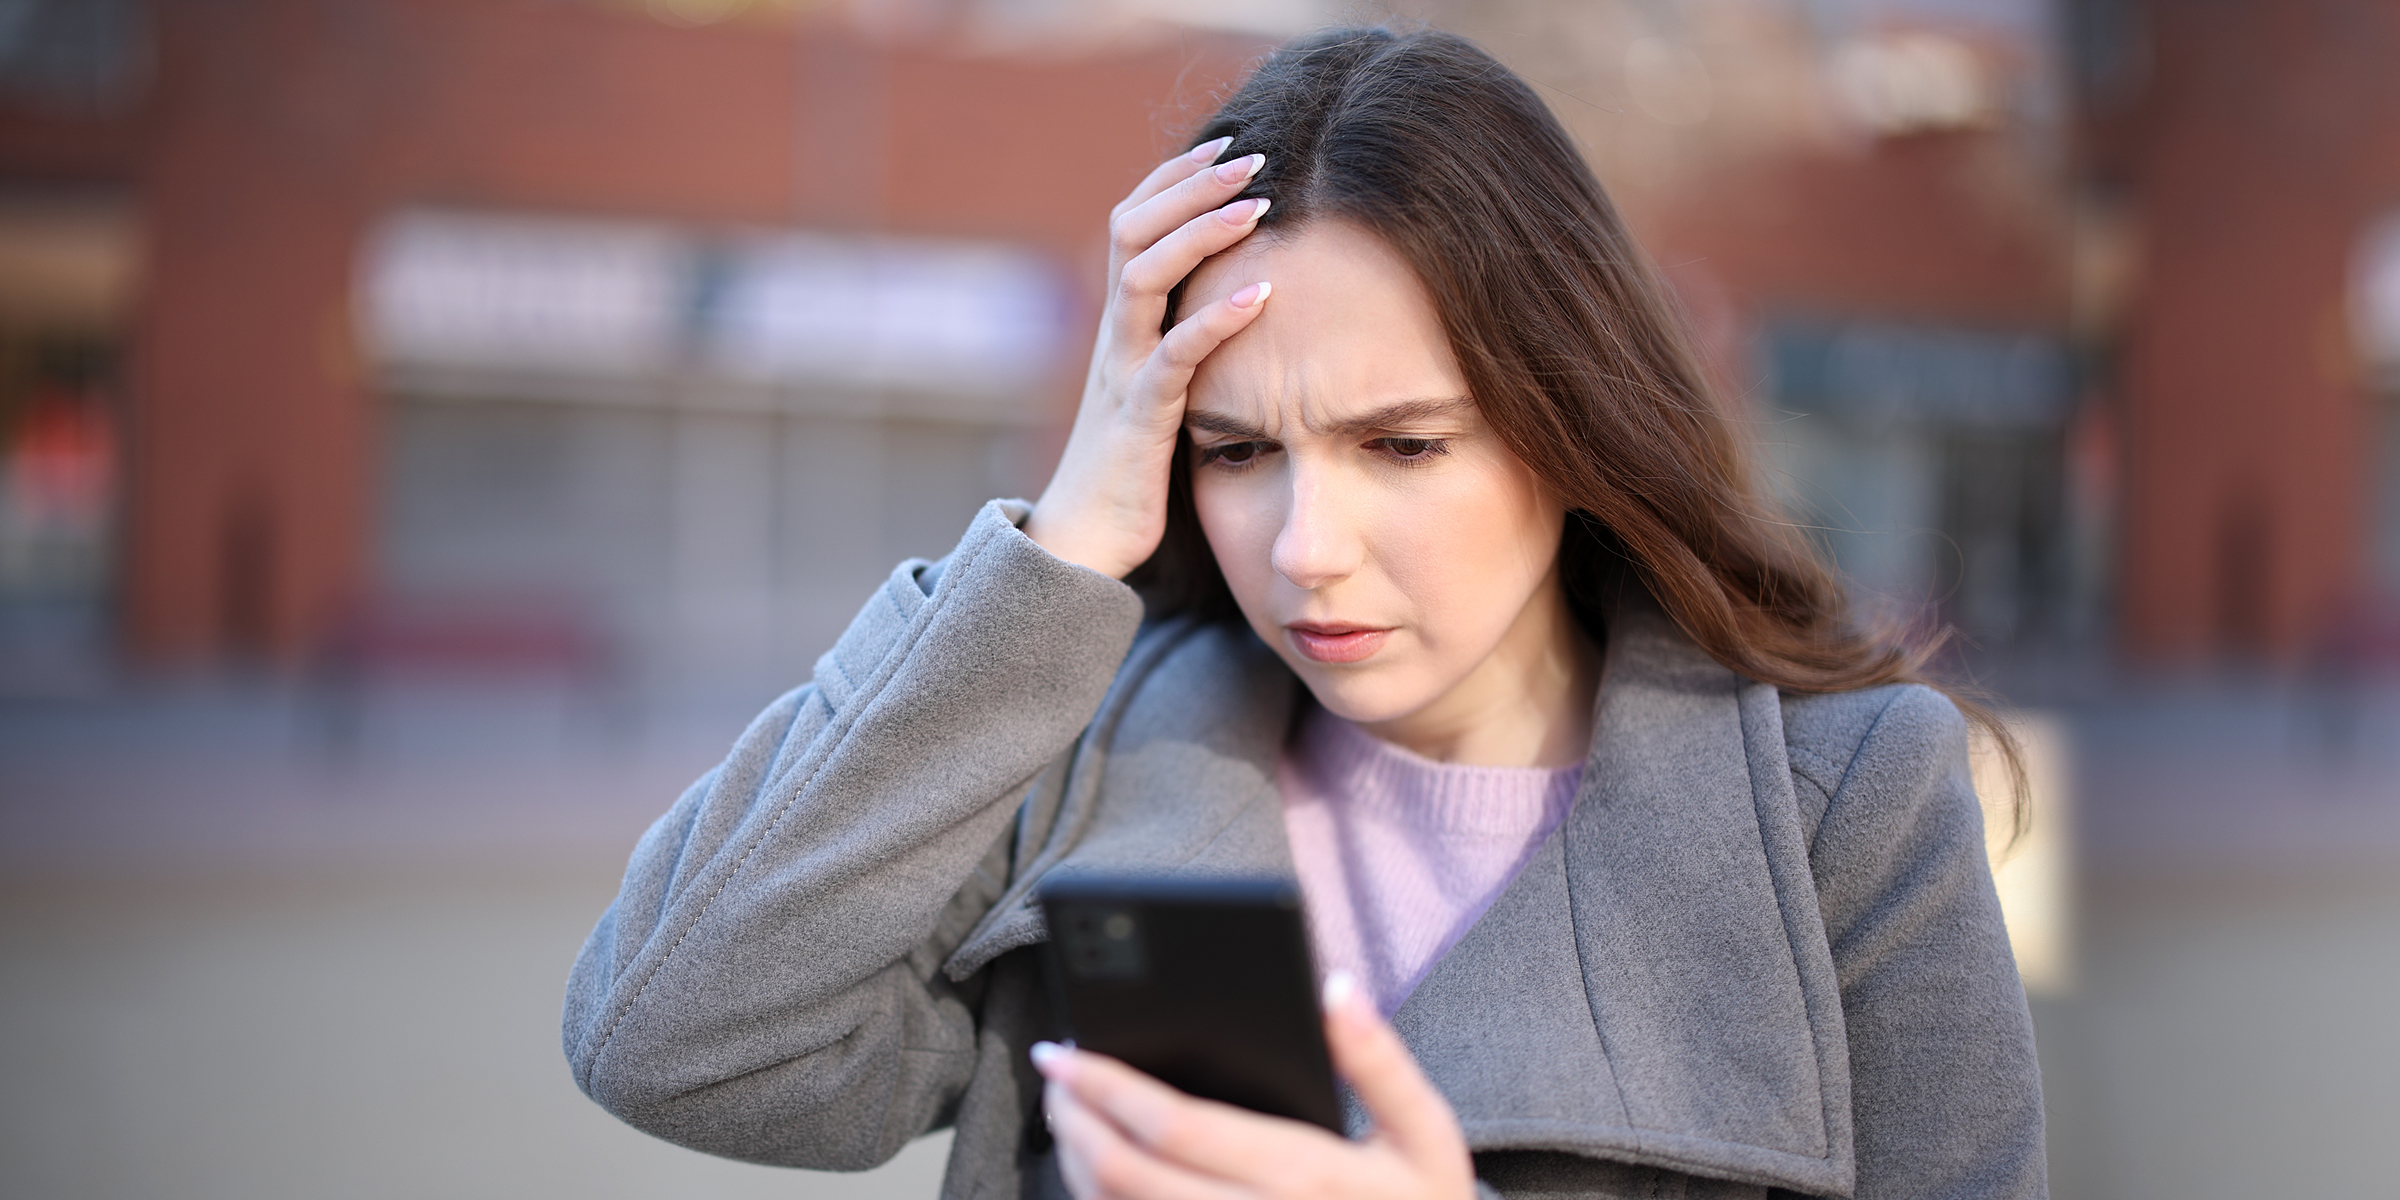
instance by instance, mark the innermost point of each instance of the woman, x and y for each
(1462, 610)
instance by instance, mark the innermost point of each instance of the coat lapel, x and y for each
(1183, 750)
(1655, 986)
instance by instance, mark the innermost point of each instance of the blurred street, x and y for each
(241, 965)
(2229, 1031)
(241, 968)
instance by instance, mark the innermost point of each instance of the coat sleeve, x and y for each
(766, 985)
(1945, 1091)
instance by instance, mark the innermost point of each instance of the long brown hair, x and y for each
(1569, 345)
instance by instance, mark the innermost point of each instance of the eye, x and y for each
(1407, 449)
(1232, 454)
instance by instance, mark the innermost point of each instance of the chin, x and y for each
(1362, 697)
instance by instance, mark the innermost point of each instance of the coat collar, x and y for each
(1654, 987)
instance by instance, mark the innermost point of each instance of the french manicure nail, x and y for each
(1339, 988)
(1045, 1053)
(1255, 294)
(1248, 213)
(1241, 169)
(1207, 152)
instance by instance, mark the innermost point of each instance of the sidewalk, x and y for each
(237, 963)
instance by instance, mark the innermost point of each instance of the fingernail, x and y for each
(1339, 988)
(1046, 1054)
(1207, 152)
(1247, 212)
(1241, 169)
(1254, 294)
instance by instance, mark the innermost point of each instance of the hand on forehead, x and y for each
(1352, 331)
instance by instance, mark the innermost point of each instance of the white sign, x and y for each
(2375, 301)
(631, 305)
(920, 315)
(578, 297)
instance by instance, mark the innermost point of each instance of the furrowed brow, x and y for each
(1405, 413)
(1223, 426)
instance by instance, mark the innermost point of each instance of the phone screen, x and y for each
(1204, 984)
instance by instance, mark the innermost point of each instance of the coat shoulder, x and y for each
(1826, 734)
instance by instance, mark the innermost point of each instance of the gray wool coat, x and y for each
(1762, 956)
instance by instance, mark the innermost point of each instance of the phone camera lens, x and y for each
(1101, 941)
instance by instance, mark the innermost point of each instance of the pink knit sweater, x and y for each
(1399, 855)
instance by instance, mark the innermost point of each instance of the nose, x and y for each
(1319, 542)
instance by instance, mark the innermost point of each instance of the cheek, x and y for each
(1473, 553)
(1240, 523)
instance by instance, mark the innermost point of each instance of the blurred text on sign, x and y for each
(477, 304)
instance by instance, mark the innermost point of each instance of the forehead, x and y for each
(1349, 327)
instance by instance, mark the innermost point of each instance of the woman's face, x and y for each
(1372, 526)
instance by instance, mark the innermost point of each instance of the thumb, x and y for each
(1408, 1111)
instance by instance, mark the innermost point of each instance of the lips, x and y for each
(1336, 643)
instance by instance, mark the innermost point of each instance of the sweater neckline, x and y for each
(1371, 776)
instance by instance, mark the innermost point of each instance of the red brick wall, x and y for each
(277, 130)
(1950, 226)
(2266, 135)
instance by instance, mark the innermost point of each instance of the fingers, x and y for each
(1135, 228)
(1174, 171)
(1406, 1108)
(1138, 297)
(1169, 371)
(1143, 283)
(1098, 1160)
(1215, 1141)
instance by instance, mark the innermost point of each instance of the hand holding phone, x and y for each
(1124, 1134)
(1203, 984)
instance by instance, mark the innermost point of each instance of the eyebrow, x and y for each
(1390, 416)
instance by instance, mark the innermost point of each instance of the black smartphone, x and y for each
(1204, 984)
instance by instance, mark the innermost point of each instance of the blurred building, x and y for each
(2243, 160)
(617, 340)
(547, 336)
(2072, 319)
